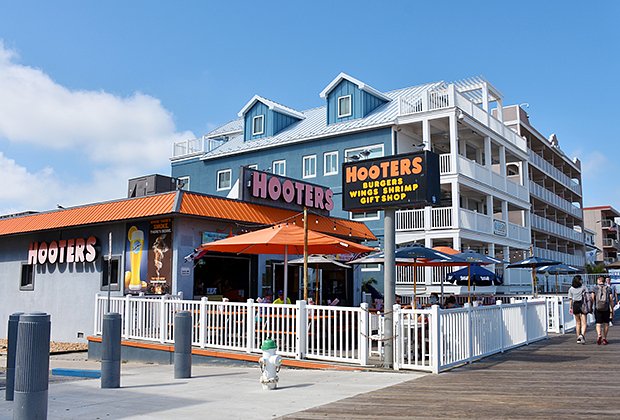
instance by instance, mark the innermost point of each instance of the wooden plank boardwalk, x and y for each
(554, 378)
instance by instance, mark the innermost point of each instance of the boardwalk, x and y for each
(555, 378)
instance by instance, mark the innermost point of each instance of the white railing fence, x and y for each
(430, 339)
(437, 339)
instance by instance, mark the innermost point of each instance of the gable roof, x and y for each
(274, 106)
(176, 203)
(361, 85)
(315, 125)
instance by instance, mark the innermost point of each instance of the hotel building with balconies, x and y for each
(555, 186)
(604, 221)
(484, 164)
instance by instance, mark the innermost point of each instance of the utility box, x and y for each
(150, 184)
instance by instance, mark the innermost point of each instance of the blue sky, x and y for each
(93, 93)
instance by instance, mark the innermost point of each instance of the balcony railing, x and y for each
(487, 176)
(608, 224)
(611, 243)
(570, 259)
(556, 229)
(185, 148)
(554, 172)
(555, 200)
(424, 219)
(447, 98)
(445, 164)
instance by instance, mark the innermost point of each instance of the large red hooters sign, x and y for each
(408, 180)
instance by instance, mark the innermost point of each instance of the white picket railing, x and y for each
(425, 339)
(437, 339)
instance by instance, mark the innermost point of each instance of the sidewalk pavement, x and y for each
(219, 391)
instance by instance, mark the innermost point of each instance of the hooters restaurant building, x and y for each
(57, 261)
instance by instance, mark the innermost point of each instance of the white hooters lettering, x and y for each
(64, 250)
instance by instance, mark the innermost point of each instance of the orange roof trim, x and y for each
(192, 204)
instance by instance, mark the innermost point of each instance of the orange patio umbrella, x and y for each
(283, 239)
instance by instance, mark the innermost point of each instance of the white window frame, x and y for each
(325, 155)
(349, 152)
(262, 125)
(217, 180)
(254, 166)
(115, 283)
(349, 97)
(305, 160)
(371, 267)
(185, 180)
(273, 167)
(367, 216)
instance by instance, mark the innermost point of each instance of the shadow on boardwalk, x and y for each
(554, 378)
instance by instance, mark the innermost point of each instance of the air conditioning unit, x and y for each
(149, 185)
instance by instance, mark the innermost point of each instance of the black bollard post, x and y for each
(111, 351)
(10, 355)
(32, 365)
(182, 345)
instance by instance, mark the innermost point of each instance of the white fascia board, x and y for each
(222, 134)
(361, 85)
(271, 105)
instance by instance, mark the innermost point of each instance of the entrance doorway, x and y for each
(293, 281)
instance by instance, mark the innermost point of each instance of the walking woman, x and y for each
(576, 296)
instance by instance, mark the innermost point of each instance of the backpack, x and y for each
(586, 303)
(601, 296)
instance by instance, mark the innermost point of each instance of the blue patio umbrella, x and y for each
(429, 256)
(558, 269)
(533, 263)
(476, 275)
(474, 258)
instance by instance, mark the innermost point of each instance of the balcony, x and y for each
(570, 259)
(428, 218)
(609, 224)
(194, 147)
(431, 100)
(487, 176)
(611, 243)
(555, 200)
(554, 172)
(556, 229)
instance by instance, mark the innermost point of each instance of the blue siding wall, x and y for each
(203, 174)
(259, 108)
(362, 102)
(274, 122)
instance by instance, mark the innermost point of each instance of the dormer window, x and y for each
(344, 106)
(258, 125)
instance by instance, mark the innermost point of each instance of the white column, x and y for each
(455, 204)
(505, 212)
(428, 271)
(500, 110)
(485, 97)
(456, 243)
(490, 206)
(453, 143)
(488, 162)
(502, 160)
(426, 134)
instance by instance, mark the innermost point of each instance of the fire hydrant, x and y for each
(270, 364)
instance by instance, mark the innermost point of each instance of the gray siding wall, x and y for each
(65, 291)
(362, 103)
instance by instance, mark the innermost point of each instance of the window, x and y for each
(344, 106)
(255, 166)
(371, 267)
(27, 277)
(365, 152)
(183, 183)
(364, 215)
(114, 278)
(223, 179)
(258, 125)
(279, 167)
(309, 166)
(330, 163)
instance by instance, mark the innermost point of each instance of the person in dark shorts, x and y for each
(576, 296)
(603, 309)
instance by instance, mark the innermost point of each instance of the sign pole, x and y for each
(305, 253)
(389, 281)
(109, 269)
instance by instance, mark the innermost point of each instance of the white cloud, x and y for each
(116, 137)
